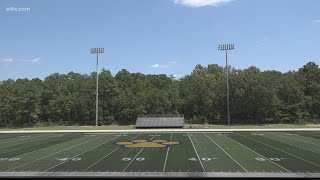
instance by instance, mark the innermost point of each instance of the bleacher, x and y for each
(160, 121)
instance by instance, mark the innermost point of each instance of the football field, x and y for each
(163, 154)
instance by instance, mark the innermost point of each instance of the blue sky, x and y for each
(155, 36)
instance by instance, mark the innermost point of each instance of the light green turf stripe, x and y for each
(299, 144)
(245, 156)
(165, 161)
(31, 157)
(119, 159)
(179, 155)
(22, 141)
(135, 157)
(200, 161)
(304, 160)
(77, 156)
(259, 156)
(104, 151)
(226, 153)
(300, 136)
(153, 158)
(24, 146)
(20, 137)
(212, 156)
(52, 160)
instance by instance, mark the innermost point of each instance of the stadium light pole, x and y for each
(226, 47)
(97, 51)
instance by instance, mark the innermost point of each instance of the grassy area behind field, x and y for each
(187, 126)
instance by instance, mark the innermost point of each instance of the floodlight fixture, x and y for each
(97, 51)
(226, 47)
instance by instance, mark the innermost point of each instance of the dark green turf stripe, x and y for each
(93, 156)
(296, 141)
(8, 136)
(244, 156)
(295, 151)
(22, 140)
(153, 157)
(285, 160)
(179, 155)
(52, 160)
(212, 156)
(35, 156)
(40, 144)
(310, 134)
(119, 159)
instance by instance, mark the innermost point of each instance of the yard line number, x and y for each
(137, 159)
(66, 159)
(9, 159)
(271, 159)
(202, 159)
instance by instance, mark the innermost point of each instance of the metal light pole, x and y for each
(226, 47)
(97, 51)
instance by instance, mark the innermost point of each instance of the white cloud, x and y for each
(201, 3)
(7, 60)
(317, 21)
(158, 66)
(34, 60)
(173, 62)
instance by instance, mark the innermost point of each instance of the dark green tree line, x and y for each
(255, 97)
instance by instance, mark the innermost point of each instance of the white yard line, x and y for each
(52, 154)
(107, 155)
(165, 162)
(81, 153)
(281, 151)
(226, 153)
(197, 153)
(291, 144)
(132, 160)
(259, 154)
(297, 139)
(136, 155)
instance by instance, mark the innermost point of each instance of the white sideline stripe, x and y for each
(291, 144)
(24, 140)
(106, 155)
(32, 144)
(298, 139)
(81, 153)
(137, 155)
(166, 130)
(158, 174)
(165, 162)
(226, 153)
(259, 154)
(197, 154)
(51, 154)
(281, 151)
